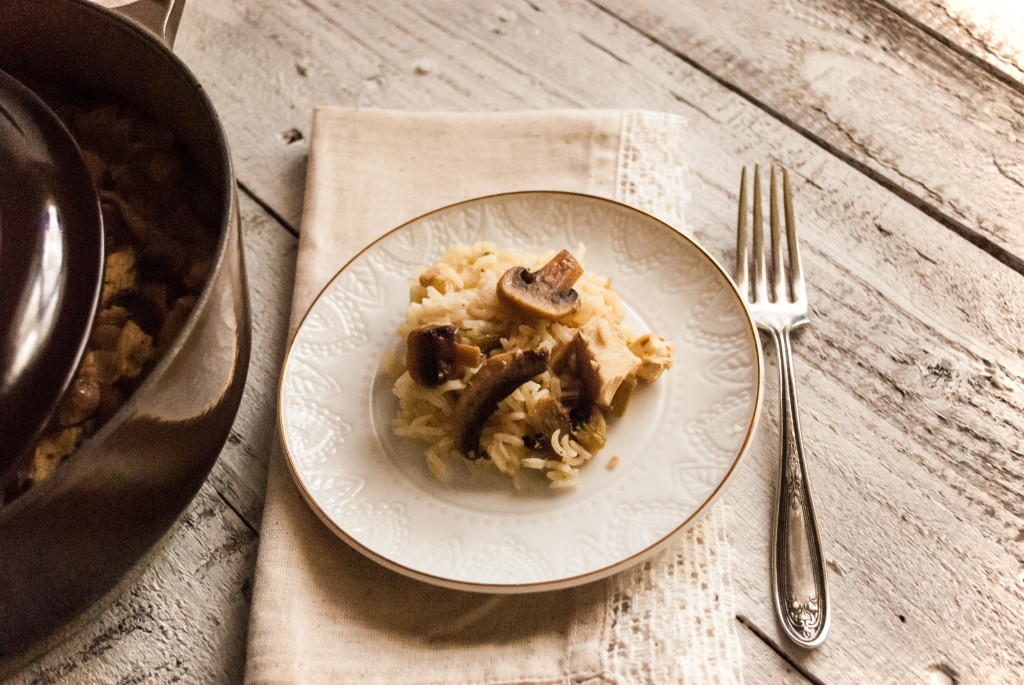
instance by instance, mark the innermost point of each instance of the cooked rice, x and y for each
(461, 291)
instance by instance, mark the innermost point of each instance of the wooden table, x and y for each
(903, 123)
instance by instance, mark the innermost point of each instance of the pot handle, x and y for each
(159, 16)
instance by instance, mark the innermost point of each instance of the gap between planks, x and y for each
(990, 68)
(232, 507)
(983, 243)
(763, 637)
(274, 214)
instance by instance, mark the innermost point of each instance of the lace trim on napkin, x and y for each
(671, 619)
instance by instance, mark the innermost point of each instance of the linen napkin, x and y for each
(321, 612)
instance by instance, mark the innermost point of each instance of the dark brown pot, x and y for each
(69, 539)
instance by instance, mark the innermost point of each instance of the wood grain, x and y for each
(180, 616)
(991, 31)
(856, 78)
(918, 510)
(910, 374)
(906, 313)
(885, 278)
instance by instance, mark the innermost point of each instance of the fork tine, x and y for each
(796, 271)
(742, 251)
(778, 285)
(760, 288)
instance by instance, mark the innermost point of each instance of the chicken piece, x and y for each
(101, 366)
(52, 449)
(118, 274)
(440, 276)
(600, 357)
(197, 272)
(104, 337)
(151, 306)
(96, 166)
(112, 316)
(102, 130)
(111, 399)
(135, 348)
(655, 355)
(157, 244)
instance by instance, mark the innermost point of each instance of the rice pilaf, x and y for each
(461, 291)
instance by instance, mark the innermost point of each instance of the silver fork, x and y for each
(779, 305)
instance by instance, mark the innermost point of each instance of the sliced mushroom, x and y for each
(547, 292)
(467, 355)
(552, 416)
(579, 383)
(496, 379)
(442, 277)
(433, 356)
(549, 415)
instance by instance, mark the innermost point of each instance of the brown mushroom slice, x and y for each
(546, 293)
(467, 355)
(433, 356)
(549, 415)
(430, 354)
(496, 379)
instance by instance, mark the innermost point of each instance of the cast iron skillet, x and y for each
(68, 540)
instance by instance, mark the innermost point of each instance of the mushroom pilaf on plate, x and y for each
(518, 361)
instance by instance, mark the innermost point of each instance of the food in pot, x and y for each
(159, 250)
(545, 363)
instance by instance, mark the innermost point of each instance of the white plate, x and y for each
(681, 439)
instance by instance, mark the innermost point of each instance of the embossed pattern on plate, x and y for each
(678, 443)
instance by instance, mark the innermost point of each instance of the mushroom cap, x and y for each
(497, 378)
(430, 353)
(517, 288)
(546, 293)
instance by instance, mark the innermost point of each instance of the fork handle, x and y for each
(799, 582)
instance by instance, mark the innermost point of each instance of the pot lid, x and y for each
(51, 265)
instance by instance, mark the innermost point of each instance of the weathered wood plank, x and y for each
(918, 117)
(919, 510)
(241, 472)
(761, 664)
(992, 31)
(182, 614)
(178, 617)
(906, 373)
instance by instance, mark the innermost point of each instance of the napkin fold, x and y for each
(321, 612)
